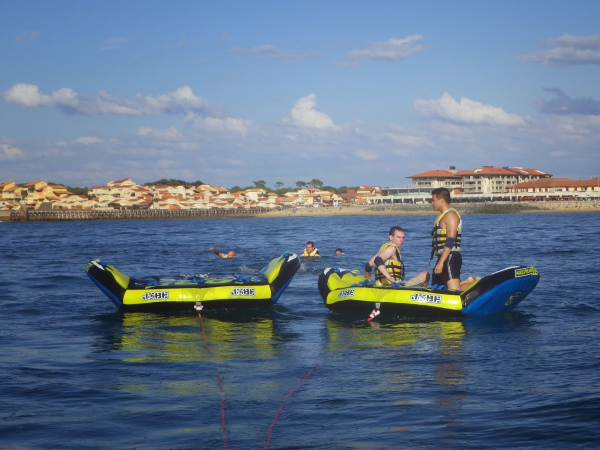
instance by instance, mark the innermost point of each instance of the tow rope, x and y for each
(199, 308)
(302, 382)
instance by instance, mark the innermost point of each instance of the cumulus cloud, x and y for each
(568, 51)
(268, 51)
(180, 101)
(26, 95)
(284, 152)
(220, 124)
(563, 104)
(392, 50)
(10, 153)
(28, 35)
(467, 112)
(304, 114)
(87, 140)
(573, 128)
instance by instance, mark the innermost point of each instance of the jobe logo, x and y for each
(156, 295)
(525, 272)
(426, 298)
(243, 292)
(346, 293)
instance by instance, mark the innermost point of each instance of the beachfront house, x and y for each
(557, 189)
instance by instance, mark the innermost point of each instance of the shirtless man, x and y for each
(229, 254)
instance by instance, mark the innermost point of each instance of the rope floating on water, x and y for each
(219, 380)
(302, 382)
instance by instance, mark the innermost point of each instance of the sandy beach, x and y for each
(410, 210)
(418, 210)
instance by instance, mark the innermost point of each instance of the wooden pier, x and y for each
(134, 214)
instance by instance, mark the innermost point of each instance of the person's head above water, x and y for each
(339, 251)
(229, 254)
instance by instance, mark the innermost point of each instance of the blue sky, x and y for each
(347, 92)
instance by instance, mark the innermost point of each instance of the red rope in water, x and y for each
(220, 384)
(302, 382)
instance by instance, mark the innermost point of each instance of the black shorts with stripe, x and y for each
(450, 271)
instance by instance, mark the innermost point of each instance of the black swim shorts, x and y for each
(450, 271)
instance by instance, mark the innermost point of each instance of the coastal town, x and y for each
(482, 184)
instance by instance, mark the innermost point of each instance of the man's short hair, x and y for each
(311, 243)
(394, 229)
(442, 193)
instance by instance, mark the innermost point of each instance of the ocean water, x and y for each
(76, 373)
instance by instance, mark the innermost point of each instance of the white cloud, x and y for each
(218, 124)
(304, 114)
(231, 151)
(169, 134)
(569, 51)
(87, 140)
(10, 153)
(468, 112)
(180, 101)
(28, 35)
(26, 95)
(410, 140)
(392, 50)
(366, 155)
(572, 128)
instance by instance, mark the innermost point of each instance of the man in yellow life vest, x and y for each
(389, 265)
(446, 243)
(310, 249)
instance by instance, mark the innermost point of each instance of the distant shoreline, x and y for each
(370, 210)
(390, 211)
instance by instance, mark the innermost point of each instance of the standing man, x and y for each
(310, 249)
(389, 265)
(447, 236)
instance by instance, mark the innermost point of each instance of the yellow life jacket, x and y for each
(439, 235)
(394, 268)
(313, 253)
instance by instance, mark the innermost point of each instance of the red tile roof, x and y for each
(558, 182)
(435, 174)
(484, 170)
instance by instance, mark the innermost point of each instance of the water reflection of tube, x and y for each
(152, 337)
(394, 344)
(450, 333)
(450, 373)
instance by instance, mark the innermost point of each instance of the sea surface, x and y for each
(76, 373)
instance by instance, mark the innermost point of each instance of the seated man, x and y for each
(229, 254)
(389, 265)
(310, 249)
